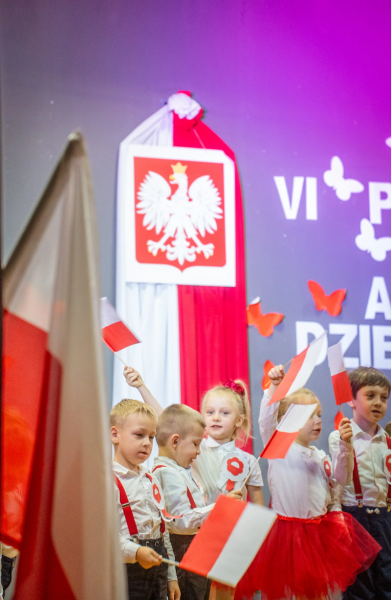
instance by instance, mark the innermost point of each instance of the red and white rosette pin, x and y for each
(235, 469)
(387, 466)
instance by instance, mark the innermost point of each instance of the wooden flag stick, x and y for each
(248, 476)
(284, 367)
(123, 362)
(170, 562)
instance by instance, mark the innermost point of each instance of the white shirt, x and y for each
(370, 455)
(146, 514)
(299, 484)
(174, 481)
(222, 450)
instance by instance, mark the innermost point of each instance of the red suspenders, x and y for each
(125, 504)
(131, 523)
(357, 484)
(189, 496)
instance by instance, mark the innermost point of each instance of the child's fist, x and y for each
(147, 557)
(237, 494)
(276, 375)
(345, 430)
(174, 593)
(133, 378)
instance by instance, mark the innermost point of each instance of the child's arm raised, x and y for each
(134, 379)
(268, 414)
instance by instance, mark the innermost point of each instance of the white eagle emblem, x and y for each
(183, 216)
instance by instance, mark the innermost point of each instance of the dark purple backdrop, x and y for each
(286, 84)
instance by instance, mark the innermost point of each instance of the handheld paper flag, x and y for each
(300, 370)
(339, 377)
(114, 331)
(287, 430)
(228, 541)
(337, 419)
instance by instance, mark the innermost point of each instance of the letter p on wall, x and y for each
(377, 203)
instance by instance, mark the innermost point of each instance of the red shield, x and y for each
(175, 213)
(156, 493)
(327, 468)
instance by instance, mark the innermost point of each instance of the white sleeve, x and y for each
(171, 573)
(177, 503)
(343, 459)
(128, 549)
(267, 418)
(256, 479)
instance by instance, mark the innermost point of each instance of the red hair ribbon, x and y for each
(239, 389)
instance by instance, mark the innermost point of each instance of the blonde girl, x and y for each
(313, 551)
(226, 411)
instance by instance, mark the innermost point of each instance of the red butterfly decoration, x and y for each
(337, 419)
(332, 303)
(264, 323)
(266, 368)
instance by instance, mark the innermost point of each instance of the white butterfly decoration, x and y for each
(334, 178)
(366, 240)
(388, 142)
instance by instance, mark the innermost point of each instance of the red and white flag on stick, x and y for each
(339, 377)
(300, 370)
(54, 407)
(287, 430)
(114, 331)
(228, 540)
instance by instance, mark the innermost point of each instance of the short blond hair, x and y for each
(301, 396)
(241, 404)
(121, 411)
(177, 418)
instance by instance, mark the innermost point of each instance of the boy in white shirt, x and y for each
(362, 467)
(179, 434)
(133, 428)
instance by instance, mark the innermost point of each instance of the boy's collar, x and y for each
(358, 431)
(166, 460)
(119, 469)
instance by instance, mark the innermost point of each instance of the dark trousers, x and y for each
(375, 582)
(192, 586)
(148, 584)
(7, 565)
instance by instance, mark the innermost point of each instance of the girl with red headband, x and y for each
(222, 465)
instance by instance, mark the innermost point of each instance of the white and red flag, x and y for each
(287, 430)
(114, 331)
(166, 315)
(300, 370)
(57, 499)
(339, 377)
(228, 540)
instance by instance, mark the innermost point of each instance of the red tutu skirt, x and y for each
(309, 558)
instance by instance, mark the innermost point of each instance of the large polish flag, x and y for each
(176, 323)
(58, 499)
(300, 370)
(339, 377)
(287, 430)
(228, 540)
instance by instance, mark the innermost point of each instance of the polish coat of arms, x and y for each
(180, 216)
(183, 216)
